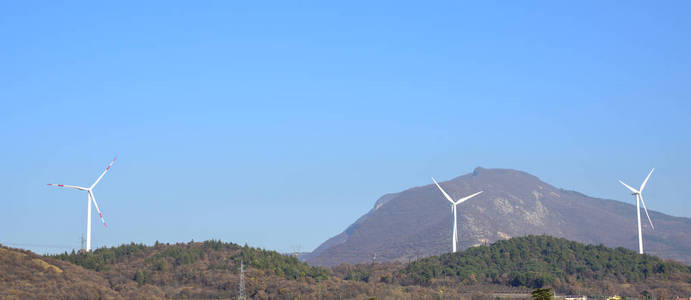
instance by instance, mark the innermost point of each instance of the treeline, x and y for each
(537, 261)
(102, 258)
(216, 255)
(211, 269)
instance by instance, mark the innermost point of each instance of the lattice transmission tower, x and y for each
(241, 287)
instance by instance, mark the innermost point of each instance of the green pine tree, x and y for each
(139, 277)
(542, 294)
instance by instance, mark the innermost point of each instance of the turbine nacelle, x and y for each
(459, 201)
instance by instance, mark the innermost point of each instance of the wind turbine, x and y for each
(639, 197)
(90, 198)
(453, 208)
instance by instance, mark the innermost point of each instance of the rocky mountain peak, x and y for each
(417, 222)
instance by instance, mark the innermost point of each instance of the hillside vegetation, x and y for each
(537, 261)
(25, 275)
(214, 255)
(211, 269)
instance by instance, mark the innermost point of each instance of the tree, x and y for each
(542, 294)
(139, 277)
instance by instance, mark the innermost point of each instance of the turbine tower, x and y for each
(90, 199)
(639, 199)
(453, 208)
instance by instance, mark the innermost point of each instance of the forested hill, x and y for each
(211, 269)
(536, 261)
(212, 254)
(26, 275)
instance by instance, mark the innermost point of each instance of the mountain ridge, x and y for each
(515, 203)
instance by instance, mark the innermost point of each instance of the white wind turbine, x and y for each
(639, 198)
(89, 200)
(453, 208)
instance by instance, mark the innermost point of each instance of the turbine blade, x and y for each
(100, 215)
(104, 172)
(442, 191)
(646, 180)
(646, 211)
(630, 188)
(468, 197)
(69, 186)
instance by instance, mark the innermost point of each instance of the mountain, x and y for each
(417, 222)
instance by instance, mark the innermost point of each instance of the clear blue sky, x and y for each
(278, 125)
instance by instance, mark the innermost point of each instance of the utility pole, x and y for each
(241, 288)
(82, 242)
